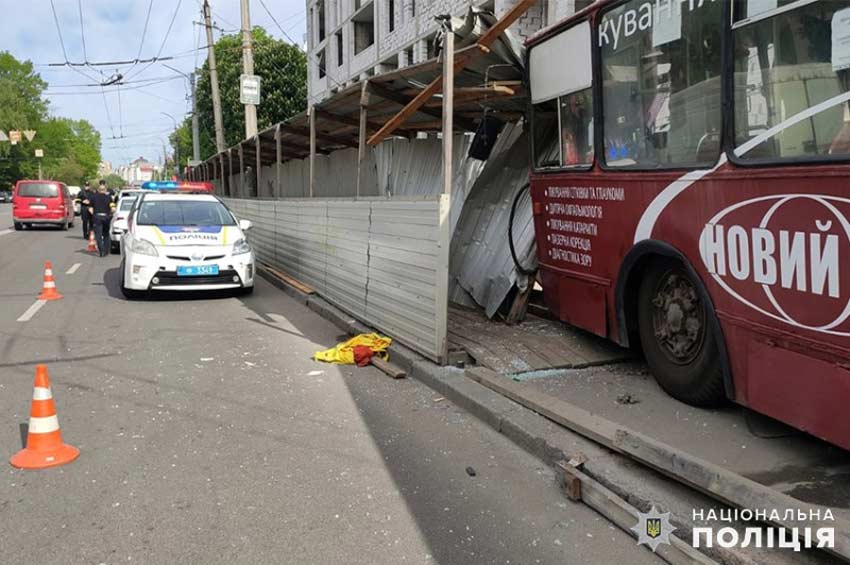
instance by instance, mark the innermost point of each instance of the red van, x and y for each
(41, 202)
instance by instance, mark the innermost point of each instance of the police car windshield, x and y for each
(126, 203)
(183, 213)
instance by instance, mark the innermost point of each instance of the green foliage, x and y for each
(71, 147)
(181, 139)
(283, 69)
(112, 181)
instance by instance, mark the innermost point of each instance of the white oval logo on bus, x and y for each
(782, 255)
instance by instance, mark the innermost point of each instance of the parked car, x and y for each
(118, 225)
(75, 194)
(185, 242)
(5, 196)
(42, 202)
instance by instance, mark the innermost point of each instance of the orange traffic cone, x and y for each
(92, 247)
(48, 291)
(44, 440)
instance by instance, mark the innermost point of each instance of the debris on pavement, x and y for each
(627, 399)
(471, 471)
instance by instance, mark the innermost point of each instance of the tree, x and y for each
(71, 147)
(114, 181)
(283, 68)
(21, 107)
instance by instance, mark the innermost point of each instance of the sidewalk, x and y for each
(636, 484)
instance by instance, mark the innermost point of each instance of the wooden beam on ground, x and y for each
(390, 369)
(716, 481)
(460, 63)
(606, 502)
(286, 279)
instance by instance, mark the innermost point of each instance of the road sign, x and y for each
(39, 152)
(29, 134)
(249, 89)
(3, 136)
(14, 136)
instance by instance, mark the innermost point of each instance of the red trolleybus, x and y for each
(691, 192)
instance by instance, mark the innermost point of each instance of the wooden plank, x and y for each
(713, 480)
(362, 125)
(284, 278)
(624, 515)
(312, 135)
(460, 63)
(520, 305)
(390, 369)
(327, 138)
(399, 98)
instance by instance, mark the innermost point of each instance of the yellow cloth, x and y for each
(343, 353)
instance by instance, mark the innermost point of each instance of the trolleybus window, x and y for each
(661, 83)
(792, 76)
(562, 112)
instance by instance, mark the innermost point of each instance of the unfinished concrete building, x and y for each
(351, 40)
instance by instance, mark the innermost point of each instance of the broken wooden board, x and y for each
(582, 488)
(716, 481)
(534, 345)
(288, 280)
(390, 369)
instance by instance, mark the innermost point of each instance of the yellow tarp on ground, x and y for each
(343, 353)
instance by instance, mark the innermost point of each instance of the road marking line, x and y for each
(31, 311)
(73, 269)
(4, 232)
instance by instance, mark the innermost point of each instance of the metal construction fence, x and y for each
(384, 261)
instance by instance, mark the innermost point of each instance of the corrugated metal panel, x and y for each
(377, 259)
(347, 256)
(481, 268)
(403, 248)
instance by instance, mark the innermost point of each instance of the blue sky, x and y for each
(113, 32)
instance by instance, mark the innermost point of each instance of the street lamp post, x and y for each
(176, 145)
(196, 137)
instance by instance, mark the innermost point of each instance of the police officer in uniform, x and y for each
(85, 203)
(101, 211)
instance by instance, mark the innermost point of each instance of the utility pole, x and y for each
(196, 137)
(248, 69)
(216, 98)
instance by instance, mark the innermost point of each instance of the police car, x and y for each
(181, 237)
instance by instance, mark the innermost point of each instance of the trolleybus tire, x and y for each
(677, 335)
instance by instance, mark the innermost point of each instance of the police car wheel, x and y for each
(677, 336)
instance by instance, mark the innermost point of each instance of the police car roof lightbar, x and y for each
(177, 186)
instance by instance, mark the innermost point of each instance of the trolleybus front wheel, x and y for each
(677, 336)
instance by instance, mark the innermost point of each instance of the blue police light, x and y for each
(177, 186)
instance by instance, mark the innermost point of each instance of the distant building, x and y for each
(349, 40)
(104, 169)
(139, 171)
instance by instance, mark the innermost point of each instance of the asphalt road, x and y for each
(208, 435)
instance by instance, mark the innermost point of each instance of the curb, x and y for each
(635, 483)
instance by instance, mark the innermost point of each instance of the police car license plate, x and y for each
(197, 270)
